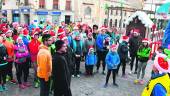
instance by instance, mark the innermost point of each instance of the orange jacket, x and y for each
(10, 49)
(44, 62)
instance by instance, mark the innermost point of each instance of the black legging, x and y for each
(22, 69)
(132, 63)
(101, 57)
(9, 70)
(3, 74)
(114, 71)
(123, 63)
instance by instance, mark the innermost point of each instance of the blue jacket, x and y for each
(166, 37)
(112, 60)
(74, 46)
(25, 40)
(99, 41)
(91, 59)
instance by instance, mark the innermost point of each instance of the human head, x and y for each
(90, 35)
(19, 40)
(9, 33)
(61, 47)
(46, 39)
(91, 49)
(113, 47)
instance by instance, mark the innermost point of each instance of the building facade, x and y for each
(26, 11)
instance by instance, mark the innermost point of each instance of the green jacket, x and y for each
(143, 54)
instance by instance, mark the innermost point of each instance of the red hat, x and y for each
(62, 37)
(125, 38)
(5, 30)
(45, 31)
(60, 31)
(33, 33)
(52, 33)
(135, 30)
(162, 63)
(8, 31)
(145, 40)
(25, 32)
(113, 46)
(103, 28)
(37, 29)
(91, 47)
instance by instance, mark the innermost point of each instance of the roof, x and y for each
(141, 16)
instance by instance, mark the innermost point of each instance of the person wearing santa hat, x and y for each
(34, 48)
(26, 37)
(134, 43)
(143, 54)
(78, 50)
(90, 60)
(159, 84)
(123, 53)
(112, 61)
(3, 65)
(21, 54)
(100, 45)
(10, 50)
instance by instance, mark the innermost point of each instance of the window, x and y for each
(125, 13)
(3, 2)
(55, 4)
(41, 3)
(87, 12)
(116, 12)
(111, 10)
(68, 4)
(26, 2)
(115, 22)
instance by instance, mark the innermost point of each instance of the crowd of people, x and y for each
(56, 52)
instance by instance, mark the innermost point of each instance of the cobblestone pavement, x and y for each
(91, 86)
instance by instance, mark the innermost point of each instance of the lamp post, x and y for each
(121, 13)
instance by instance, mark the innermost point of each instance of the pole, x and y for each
(108, 16)
(121, 13)
(0, 10)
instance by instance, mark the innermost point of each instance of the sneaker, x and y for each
(36, 84)
(141, 82)
(27, 84)
(105, 85)
(124, 76)
(4, 87)
(7, 78)
(114, 84)
(103, 73)
(135, 72)
(130, 72)
(73, 76)
(21, 86)
(78, 76)
(136, 81)
(1, 88)
(13, 81)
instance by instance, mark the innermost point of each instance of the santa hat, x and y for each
(136, 31)
(145, 40)
(25, 32)
(37, 29)
(62, 37)
(45, 31)
(113, 46)
(162, 63)
(19, 38)
(33, 33)
(52, 33)
(75, 28)
(125, 38)
(8, 31)
(103, 28)
(91, 47)
(61, 31)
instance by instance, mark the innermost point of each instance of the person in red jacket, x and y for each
(34, 48)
